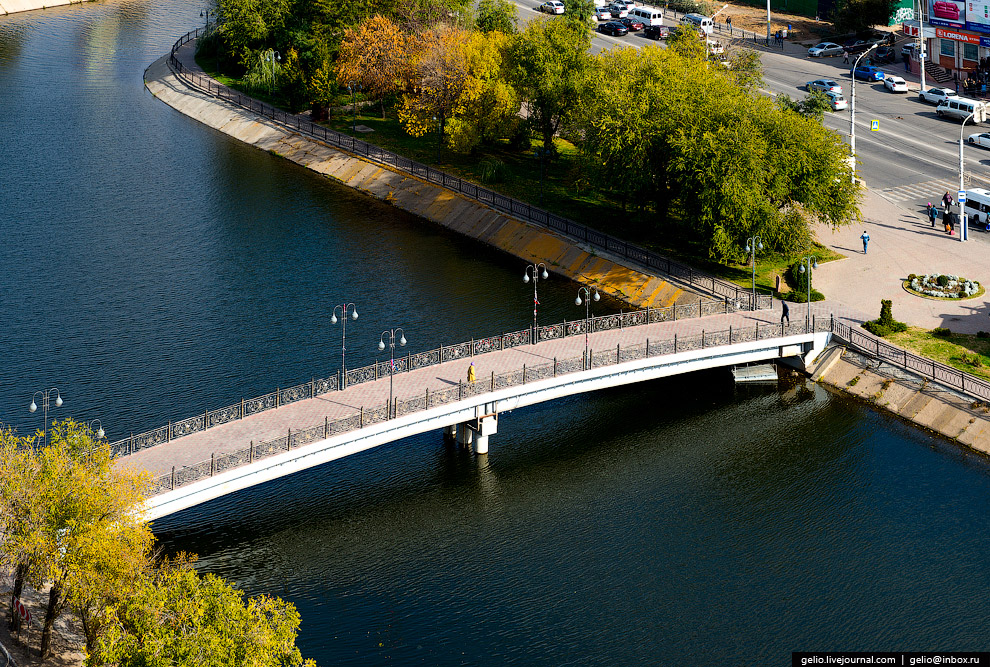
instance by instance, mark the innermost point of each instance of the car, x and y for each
(656, 32)
(837, 101)
(618, 10)
(895, 84)
(634, 25)
(824, 85)
(824, 49)
(552, 7)
(628, 4)
(936, 95)
(981, 140)
(868, 73)
(856, 45)
(613, 28)
(602, 14)
(911, 50)
(884, 54)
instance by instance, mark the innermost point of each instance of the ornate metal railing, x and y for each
(318, 386)
(717, 287)
(180, 476)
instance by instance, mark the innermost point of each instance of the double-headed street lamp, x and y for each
(811, 262)
(852, 114)
(588, 297)
(206, 13)
(539, 270)
(753, 244)
(343, 336)
(391, 370)
(45, 404)
(962, 213)
(352, 86)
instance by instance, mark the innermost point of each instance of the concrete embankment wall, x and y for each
(529, 242)
(14, 6)
(935, 408)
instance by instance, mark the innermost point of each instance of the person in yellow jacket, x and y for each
(471, 372)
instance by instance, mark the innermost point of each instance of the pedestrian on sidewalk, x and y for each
(845, 55)
(471, 373)
(785, 313)
(728, 23)
(946, 199)
(932, 214)
(866, 240)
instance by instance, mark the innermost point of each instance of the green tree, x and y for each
(248, 26)
(21, 515)
(861, 15)
(814, 105)
(178, 617)
(375, 55)
(581, 13)
(488, 106)
(496, 16)
(547, 63)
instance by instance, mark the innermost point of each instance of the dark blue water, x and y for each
(152, 268)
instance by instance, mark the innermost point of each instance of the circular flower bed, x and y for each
(943, 286)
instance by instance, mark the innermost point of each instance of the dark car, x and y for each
(656, 32)
(884, 54)
(856, 45)
(613, 28)
(632, 24)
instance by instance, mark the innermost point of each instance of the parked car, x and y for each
(656, 32)
(856, 45)
(552, 7)
(824, 49)
(911, 50)
(824, 85)
(634, 25)
(613, 28)
(936, 95)
(603, 14)
(628, 4)
(618, 10)
(884, 54)
(895, 84)
(981, 140)
(837, 101)
(868, 73)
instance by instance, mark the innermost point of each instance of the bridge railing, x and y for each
(719, 288)
(180, 476)
(319, 386)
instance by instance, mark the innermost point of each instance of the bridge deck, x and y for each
(271, 424)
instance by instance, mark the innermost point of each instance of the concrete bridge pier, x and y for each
(450, 434)
(483, 427)
(464, 435)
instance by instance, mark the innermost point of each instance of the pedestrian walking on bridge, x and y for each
(471, 377)
(785, 313)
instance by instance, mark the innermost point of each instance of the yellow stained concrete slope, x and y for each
(14, 6)
(471, 218)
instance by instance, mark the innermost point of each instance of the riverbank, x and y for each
(16, 6)
(618, 278)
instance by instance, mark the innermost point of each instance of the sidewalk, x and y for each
(902, 241)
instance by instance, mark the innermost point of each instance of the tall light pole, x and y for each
(962, 213)
(206, 13)
(811, 262)
(45, 404)
(768, 22)
(588, 296)
(352, 86)
(852, 113)
(343, 336)
(391, 369)
(537, 274)
(269, 59)
(753, 244)
(924, 47)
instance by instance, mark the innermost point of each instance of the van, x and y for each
(977, 207)
(960, 107)
(702, 23)
(647, 16)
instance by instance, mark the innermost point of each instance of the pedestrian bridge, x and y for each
(258, 440)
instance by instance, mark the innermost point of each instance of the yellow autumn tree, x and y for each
(374, 56)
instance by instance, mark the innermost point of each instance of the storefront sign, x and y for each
(957, 36)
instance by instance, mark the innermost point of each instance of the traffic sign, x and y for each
(21, 610)
(874, 125)
(962, 196)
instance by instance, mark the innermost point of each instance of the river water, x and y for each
(152, 268)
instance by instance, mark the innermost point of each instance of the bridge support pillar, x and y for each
(483, 427)
(464, 435)
(450, 433)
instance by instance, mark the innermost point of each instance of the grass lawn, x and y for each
(964, 352)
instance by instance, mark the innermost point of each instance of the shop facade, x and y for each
(956, 35)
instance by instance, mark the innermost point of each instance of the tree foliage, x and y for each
(374, 55)
(859, 16)
(488, 106)
(666, 127)
(177, 617)
(496, 16)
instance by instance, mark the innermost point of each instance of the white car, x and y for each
(824, 85)
(552, 7)
(628, 4)
(603, 14)
(837, 101)
(825, 49)
(981, 140)
(618, 10)
(936, 95)
(895, 84)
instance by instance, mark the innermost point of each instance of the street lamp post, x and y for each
(852, 114)
(588, 297)
(391, 369)
(962, 213)
(922, 43)
(206, 13)
(343, 336)
(269, 59)
(753, 244)
(811, 262)
(352, 86)
(45, 404)
(537, 274)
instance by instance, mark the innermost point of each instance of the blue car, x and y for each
(868, 73)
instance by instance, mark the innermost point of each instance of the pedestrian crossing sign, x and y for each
(961, 196)
(874, 125)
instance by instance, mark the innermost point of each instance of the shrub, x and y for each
(942, 332)
(912, 276)
(982, 334)
(942, 280)
(691, 6)
(802, 297)
(886, 324)
(492, 170)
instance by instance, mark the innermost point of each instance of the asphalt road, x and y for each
(911, 159)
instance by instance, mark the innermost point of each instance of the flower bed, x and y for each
(943, 286)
